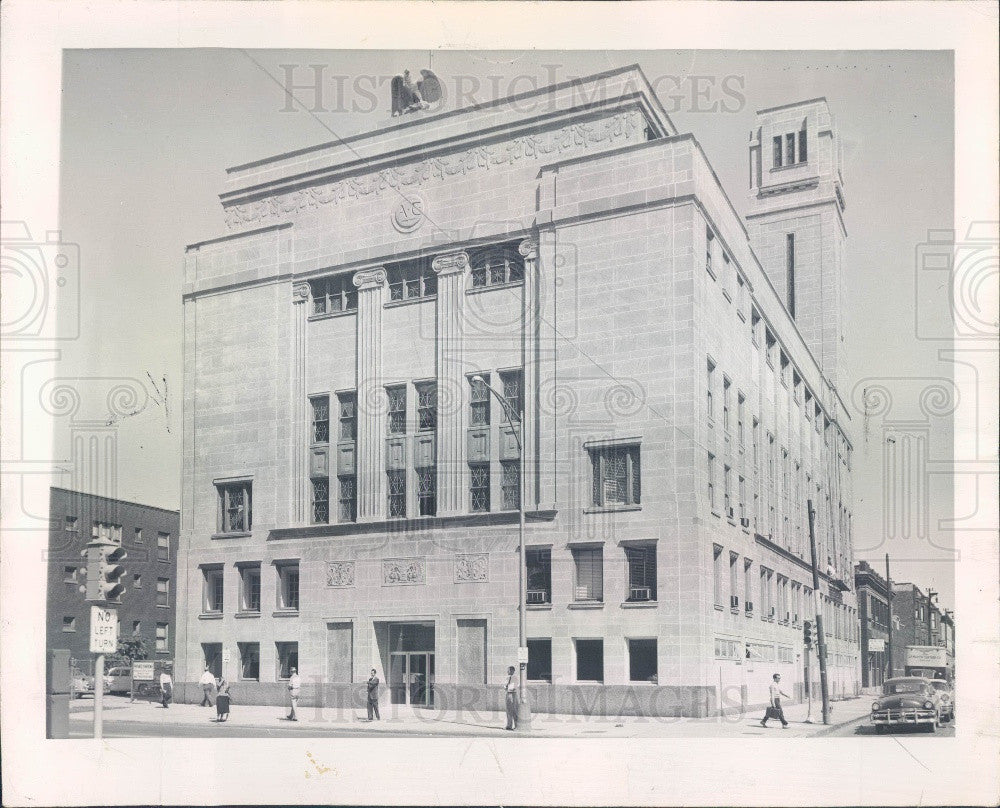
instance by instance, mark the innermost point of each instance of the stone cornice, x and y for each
(369, 279)
(450, 263)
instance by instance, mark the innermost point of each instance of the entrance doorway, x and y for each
(411, 678)
(411, 664)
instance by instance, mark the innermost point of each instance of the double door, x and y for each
(411, 678)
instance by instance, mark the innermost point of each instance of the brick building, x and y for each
(350, 490)
(917, 620)
(148, 606)
(873, 613)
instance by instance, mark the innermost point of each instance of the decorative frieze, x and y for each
(472, 567)
(404, 571)
(575, 137)
(340, 573)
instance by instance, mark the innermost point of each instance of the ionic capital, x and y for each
(369, 279)
(450, 263)
(300, 292)
(528, 249)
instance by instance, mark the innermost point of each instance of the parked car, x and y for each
(80, 684)
(118, 680)
(907, 701)
(946, 691)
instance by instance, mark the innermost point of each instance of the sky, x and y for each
(147, 135)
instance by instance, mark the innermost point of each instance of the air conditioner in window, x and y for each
(734, 601)
(582, 593)
(744, 522)
(640, 593)
(538, 596)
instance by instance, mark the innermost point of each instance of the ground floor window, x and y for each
(589, 660)
(642, 661)
(288, 658)
(540, 660)
(249, 660)
(539, 563)
(212, 654)
(427, 491)
(397, 493)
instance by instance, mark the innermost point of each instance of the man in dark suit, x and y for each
(373, 696)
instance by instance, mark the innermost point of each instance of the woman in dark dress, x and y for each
(222, 700)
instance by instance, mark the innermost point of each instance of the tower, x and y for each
(796, 220)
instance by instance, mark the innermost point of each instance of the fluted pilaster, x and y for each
(371, 285)
(529, 361)
(300, 425)
(451, 269)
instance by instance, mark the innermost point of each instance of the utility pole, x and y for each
(820, 637)
(888, 642)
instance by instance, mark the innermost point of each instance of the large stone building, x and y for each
(350, 490)
(149, 536)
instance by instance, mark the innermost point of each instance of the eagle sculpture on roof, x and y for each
(410, 97)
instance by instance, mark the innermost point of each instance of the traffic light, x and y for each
(807, 632)
(105, 572)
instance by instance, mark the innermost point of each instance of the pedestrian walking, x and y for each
(222, 700)
(510, 698)
(207, 682)
(774, 709)
(294, 687)
(373, 697)
(166, 688)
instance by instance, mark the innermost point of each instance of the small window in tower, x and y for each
(777, 152)
(790, 148)
(803, 153)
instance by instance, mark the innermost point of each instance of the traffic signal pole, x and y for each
(820, 636)
(99, 697)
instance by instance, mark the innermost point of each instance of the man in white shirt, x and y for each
(166, 687)
(775, 694)
(207, 682)
(294, 688)
(510, 698)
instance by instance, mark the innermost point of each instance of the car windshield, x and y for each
(903, 687)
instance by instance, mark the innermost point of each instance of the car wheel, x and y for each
(879, 729)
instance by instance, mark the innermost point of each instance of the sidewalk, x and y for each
(398, 718)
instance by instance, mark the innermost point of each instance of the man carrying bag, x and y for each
(774, 710)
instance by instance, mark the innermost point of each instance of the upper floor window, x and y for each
(397, 410)
(493, 266)
(539, 574)
(426, 405)
(162, 546)
(778, 152)
(138, 535)
(162, 591)
(72, 524)
(235, 501)
(411, 279)
(709, 389)
(511, 381)
(320, 419)
(250, 588)
(641, 560)
(709, 246)
(348, 416)
(288, 585)
(588, 574)
(162, 637)
(333, 294)
(479, 412)
(213, 591)
(803, 150)
(616, 475)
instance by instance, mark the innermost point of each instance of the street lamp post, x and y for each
(523, 707)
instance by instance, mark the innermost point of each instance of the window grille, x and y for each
(480, 487)
(321, 419)
(426, 406)
(511, 484)
(397, 493)
(427, 491)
